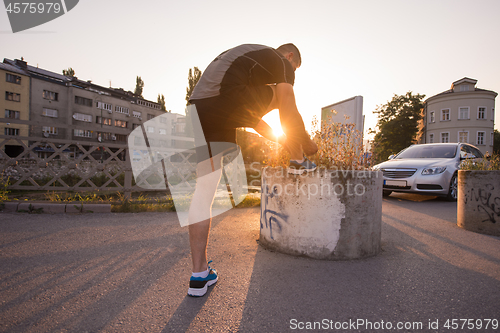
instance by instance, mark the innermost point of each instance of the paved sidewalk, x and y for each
(129, 273)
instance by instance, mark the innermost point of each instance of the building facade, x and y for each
(462, 114)
(67, 108)
(14, 107)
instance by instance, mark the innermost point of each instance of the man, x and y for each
(236, 90)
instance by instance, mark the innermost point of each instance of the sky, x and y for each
(374, 49)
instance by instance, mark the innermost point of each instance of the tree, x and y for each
(139, 86)
(70, 72)
(496, 142)
(193, 78)
(398, 125)
(161, 101)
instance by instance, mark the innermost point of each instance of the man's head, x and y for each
(291, 52)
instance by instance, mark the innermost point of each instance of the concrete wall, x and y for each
(478, 206)
(332, 215)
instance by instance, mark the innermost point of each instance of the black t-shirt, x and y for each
(244, 65)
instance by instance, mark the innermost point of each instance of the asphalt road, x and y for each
(129, 273)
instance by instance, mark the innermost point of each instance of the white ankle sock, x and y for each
(203, 274)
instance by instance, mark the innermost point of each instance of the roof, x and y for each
(465, 79)
(10, 68)
(462, 80)
(43, 74)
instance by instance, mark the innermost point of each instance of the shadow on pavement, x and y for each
(410, 281)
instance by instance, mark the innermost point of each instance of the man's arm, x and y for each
(266, 131)
(291, 119)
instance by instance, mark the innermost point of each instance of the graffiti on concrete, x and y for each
(486, 202)
(269, 216)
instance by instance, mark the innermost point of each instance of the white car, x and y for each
(426, 169)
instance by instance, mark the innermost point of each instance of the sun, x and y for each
(273, 120)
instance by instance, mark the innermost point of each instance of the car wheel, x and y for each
(453, 190)
(386, 193)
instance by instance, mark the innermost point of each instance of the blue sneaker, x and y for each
(299, 168)
(198, 286)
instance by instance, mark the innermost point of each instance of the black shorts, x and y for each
(236, 106)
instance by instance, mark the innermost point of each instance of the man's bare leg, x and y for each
(198, 240)
(200, 211)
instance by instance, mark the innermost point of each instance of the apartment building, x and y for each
(463, 113)
(71, 109)
(14, 107)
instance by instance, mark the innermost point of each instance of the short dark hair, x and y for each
(285, 48)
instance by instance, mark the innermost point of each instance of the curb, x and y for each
(54, 208)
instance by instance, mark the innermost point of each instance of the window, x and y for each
(463, 112)
(149, 104)
(480, 138)
(492, 139)
(463, 137)
(12, 114)
(481, 113)
(120, 137)
(104, 106)
(163, 131)
(10, 96)
(105, 136)
(121, 109)
(120, 123)
(150, 116)
(431, 138)
(50, 95)
(106, 121)
(445, 115)
(83, 101)
(445, 137)
(134, 126)
(49, 129)
(151, 129)
(492, 114)
(137, 114)
(82, 133)
(49, 113)
(82, 117)
(13, 78)
(432, 117)
(464, 87)
(11, 131)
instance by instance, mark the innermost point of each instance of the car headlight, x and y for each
(433, 171)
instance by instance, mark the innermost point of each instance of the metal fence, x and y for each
(52, 164)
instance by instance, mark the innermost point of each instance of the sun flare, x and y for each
(273, 120)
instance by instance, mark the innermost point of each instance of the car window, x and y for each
(476, 152)
(465, 152)
(428, 151)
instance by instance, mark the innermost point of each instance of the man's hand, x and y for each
(310, 147)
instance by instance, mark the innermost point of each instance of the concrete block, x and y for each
(10, 206)
(51, 208)
(326, 214)
(74, 207)
(41, 207)
(478, 203)
(97, 208)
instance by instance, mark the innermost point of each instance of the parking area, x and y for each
(129, 273)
